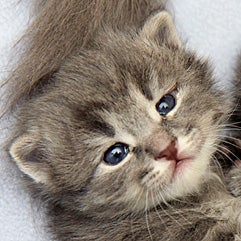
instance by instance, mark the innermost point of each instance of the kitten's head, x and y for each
(125, 125)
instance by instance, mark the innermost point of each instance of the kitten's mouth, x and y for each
(171, 154)
(178, 161)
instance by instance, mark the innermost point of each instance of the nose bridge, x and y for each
(153, 136)
(157, 141)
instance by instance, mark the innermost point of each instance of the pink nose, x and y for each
(170, 153)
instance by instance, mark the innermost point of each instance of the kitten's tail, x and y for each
(61, 26)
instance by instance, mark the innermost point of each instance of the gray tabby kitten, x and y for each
(119, 138)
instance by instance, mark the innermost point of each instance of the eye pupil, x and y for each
(166, 104)
(116, 153)
(163, 105)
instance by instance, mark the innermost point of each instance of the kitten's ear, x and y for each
(161, 28)
(28, 153)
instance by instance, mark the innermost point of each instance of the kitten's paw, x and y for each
(234, 179)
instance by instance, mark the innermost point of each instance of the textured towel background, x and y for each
(212, 28)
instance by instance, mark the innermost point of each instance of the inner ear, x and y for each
(161, 29)
(29, 154)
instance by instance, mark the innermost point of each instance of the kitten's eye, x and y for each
(166, 104)
(116, 153)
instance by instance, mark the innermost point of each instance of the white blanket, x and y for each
(212, 28)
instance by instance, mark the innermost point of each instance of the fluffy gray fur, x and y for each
(106, 92)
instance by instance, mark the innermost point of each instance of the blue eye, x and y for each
(166, 104)
(116, 153)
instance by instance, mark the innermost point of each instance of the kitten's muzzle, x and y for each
(171, 153)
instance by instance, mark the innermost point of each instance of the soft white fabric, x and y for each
(212, 28)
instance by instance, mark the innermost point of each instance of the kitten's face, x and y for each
(126, 125)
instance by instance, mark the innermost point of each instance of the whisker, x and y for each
(231, 123)
(175, 210)
(137, 200)
(218, 165)
(228, 139)
(223, 153)
(156, 210)
(146, 216)
(229, 151)
(231, 144)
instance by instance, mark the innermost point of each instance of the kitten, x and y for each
(118, 134)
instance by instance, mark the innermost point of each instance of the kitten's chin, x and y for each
(188, 177)
(172, 179)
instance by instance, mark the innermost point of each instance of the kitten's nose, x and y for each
(170, 153)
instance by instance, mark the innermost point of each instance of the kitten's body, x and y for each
(109, 91)
(206, 219)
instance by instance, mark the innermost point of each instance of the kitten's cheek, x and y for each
(161, 172)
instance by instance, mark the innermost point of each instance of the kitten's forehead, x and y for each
(121, 81)
(107, 72)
